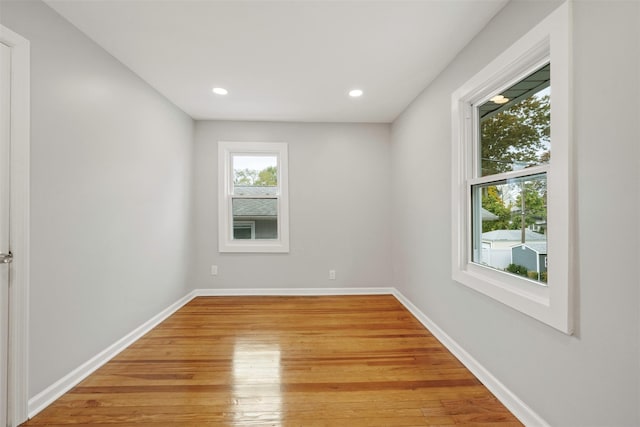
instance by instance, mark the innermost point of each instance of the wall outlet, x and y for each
(332, 275)
(214, 270)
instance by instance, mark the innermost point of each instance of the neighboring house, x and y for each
(255, 218)
(509, 238)
(531, 255)
(497, 245)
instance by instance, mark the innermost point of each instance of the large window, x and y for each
(253, 203)
(509, 190)
(512, 202)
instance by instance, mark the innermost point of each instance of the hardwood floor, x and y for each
(282, 361)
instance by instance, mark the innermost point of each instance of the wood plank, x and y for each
(276, 361)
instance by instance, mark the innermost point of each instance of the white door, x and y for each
(5, 115)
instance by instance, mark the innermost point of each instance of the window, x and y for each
(512, 176)
(252, 197)
(244, 229)
(512, 161)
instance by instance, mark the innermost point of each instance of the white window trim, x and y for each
(226, 243)
(549, 41)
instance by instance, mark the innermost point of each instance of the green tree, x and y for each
(518, 134)
(492, 201)
(244, 176)
(535, 203)
(268, 177)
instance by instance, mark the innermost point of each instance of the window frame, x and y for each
(226, 242)
(552, 304)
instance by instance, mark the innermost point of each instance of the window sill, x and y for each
(254, 247)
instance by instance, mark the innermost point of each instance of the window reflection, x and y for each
(515, 126)
(256, 382)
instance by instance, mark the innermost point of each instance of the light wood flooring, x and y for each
(282, 361)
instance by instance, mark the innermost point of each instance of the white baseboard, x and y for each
(66, 383)
(523, 412)
(293, 291)
(520, 409)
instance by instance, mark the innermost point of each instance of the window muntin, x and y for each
(253, 199)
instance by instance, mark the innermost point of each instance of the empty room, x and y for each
(320, 213)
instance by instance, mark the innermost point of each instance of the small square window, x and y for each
(244, 230)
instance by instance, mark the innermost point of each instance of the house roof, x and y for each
(513, 236)
(539, 247)
(488, 216)
(254, 190)
(257, 207)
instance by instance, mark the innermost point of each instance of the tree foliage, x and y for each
(516, 135)
(244, 176)
(535, 202)
(267, 177)
(492, 201)
(510, 215)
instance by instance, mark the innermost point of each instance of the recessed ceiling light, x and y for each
(354, 93)
(499, 99)
(220, 91)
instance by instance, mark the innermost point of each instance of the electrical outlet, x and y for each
(214, 270)
(332, 275)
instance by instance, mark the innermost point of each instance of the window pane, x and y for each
(255, 174)
(515, 126)
(244, 230)
(262, 213)
(510, 225)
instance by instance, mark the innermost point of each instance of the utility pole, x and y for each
(522, 235)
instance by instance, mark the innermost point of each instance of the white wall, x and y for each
(592, 378)
(110, 196)
(339, 211)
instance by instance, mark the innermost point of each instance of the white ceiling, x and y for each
(284, 60)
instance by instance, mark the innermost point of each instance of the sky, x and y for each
(254, 162)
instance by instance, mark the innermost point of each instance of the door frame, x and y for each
(18, 392)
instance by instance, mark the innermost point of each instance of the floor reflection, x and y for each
(256, 382)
